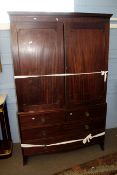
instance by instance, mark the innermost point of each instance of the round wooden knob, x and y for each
(42, 119)
(43, 133)
(71, 113)
(86, 127)
(87, 114)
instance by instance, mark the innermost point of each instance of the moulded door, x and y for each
(86, 50)
(39, 53)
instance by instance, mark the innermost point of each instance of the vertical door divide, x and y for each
(65, 66)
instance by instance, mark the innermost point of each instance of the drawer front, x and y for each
(29, 121)
(75, 116)
(69, 130)
(39, 133)
(97, 111)
(62, 138)
(87, 114)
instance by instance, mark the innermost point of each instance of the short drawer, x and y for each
(75, 115)
(35, 120)
(96, 112)
(81, 127)
(87, 113)
(39, 133)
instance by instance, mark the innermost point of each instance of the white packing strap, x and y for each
(89, 137)
(85, 140)
(104, 73)
(54, 75)
(61, 75)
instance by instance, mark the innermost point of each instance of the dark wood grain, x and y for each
(44, 92)
(60, 148)
(40, 48)
(85, 47)
(85, 89)
(64, 126)
(33, 120)
(48, 16)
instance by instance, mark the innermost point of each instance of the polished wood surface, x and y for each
(45, 92)
(59, 148)
(59, 126)
(50, 16)
(40, 48)
(85, 89)
(54, 107)
(85, 44)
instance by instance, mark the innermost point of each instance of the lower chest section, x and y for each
(50, 129)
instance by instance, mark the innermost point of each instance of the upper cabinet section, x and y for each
(57, 43)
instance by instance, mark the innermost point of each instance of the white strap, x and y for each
(61, 75)
(89, 137)
(85, 140)
(104, 73)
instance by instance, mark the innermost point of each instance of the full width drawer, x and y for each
(53, 132)
(61, 138)
(34, 120)
(66, 130)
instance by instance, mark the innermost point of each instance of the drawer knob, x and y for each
(43, 133)
(42, 119)
(87, 114)
(70, 113)
(86, 127)
(33, 118)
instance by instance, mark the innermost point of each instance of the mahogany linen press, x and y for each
(60, 71)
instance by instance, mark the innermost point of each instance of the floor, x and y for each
(52, 163)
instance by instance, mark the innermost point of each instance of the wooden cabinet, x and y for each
(60, 65)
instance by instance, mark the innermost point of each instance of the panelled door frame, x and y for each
(71, 100)
(58, 27)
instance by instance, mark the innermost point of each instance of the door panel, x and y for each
(40, 48)
(85, 89)
(40, 52)
(40, 93)
(85, 45)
